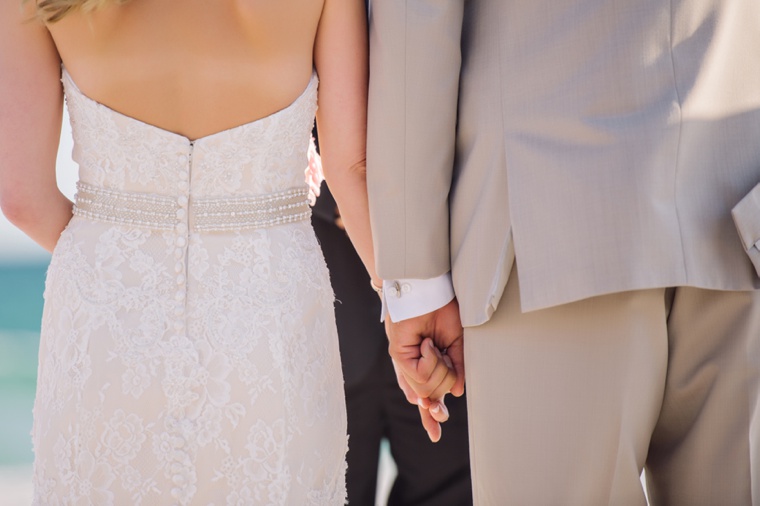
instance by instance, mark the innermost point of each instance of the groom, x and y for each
(579, 181)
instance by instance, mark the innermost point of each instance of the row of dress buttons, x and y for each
(180, 268)
(179, 464)
(181, 243)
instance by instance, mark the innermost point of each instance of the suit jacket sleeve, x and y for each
(415, 59)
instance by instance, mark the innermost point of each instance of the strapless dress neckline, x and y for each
(313, 80)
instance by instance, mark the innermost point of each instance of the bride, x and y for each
(188, 352)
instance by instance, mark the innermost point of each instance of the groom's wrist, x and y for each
(408, 298)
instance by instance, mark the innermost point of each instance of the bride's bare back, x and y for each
(217, 68)
(193, 67)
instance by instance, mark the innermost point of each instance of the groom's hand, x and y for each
(424, 368)
(424, 374)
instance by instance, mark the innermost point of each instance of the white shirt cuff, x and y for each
(408, 298)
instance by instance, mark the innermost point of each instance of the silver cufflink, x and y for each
(395, 290)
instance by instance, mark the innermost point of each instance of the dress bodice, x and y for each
(122, 153)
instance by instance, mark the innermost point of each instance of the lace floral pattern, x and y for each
(183, 367)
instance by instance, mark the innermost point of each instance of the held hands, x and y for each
(425, 374)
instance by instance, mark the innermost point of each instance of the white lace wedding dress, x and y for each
(189, 352)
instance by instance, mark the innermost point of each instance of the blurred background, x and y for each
(22, 280)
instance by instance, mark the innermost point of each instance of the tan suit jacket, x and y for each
(603, 144)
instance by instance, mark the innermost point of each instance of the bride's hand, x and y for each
(313, 173)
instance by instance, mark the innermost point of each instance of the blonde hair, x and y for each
(50, 11)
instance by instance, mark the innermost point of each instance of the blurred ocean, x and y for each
(21, 287)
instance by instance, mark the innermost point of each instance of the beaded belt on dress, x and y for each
(209, 214)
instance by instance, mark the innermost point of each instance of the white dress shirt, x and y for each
(408, 298)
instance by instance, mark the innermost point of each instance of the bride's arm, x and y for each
(340, 58)
(31, 107)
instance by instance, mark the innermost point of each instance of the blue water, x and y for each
(21, 287)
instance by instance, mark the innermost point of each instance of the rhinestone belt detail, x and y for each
(218, 214)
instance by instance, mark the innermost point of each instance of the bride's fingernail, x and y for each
(444, 408)
(435, 408)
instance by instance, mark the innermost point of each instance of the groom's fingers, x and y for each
(421, 366)
(455, 354)
(404, 348)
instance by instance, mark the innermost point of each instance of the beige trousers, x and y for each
(567, 405)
